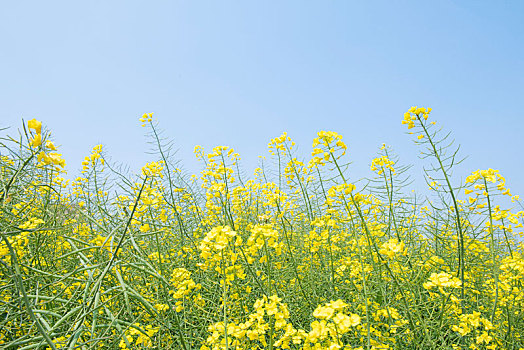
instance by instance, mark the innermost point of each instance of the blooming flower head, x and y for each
(441, 280)
(324, 312)
(411, 115)
(392, 248)
(488, 176)
(381, 163)
(146, 117)
(36, 141)
(51, 146)
(35, 125)
(325, 145)
(278, 143)
(217, 239)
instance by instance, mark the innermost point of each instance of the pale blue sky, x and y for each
(239, 73)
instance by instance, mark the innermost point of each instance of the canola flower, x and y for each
(298, 256)
(393, 247)
(442, 280)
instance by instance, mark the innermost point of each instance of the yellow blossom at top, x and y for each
(325, 145)
(328, 138)
(381, 163)
(489, 175)
(146, 117)
(153, 169)
(35, 125)
(413, 113)
(278, 143)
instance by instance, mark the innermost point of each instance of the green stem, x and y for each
(457, 216)
(493, 256)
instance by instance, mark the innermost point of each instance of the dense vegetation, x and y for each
(295, 257)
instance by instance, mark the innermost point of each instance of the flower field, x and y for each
(297, 256)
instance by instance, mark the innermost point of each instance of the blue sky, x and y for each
(240, 73)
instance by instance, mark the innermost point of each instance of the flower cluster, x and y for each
(146, 118)
(91, 160)
(381, 163)
(442, 280)
(327, 144)
(278, 144)
(392, 248)
(43, 157)
(413, 114)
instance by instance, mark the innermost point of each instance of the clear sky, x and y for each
(240, 73)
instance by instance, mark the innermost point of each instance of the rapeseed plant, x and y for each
(299, 256)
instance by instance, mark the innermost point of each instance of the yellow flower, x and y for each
(338, 305)
(35, 125)
(344, 322)
(324, 312)
(36, 141)
(393, 247)
(161, 307)
(56, 158)
(442, 280)
(147, 117)
(379, 164)
(484, 338)
(412, 115)
(50, 145)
